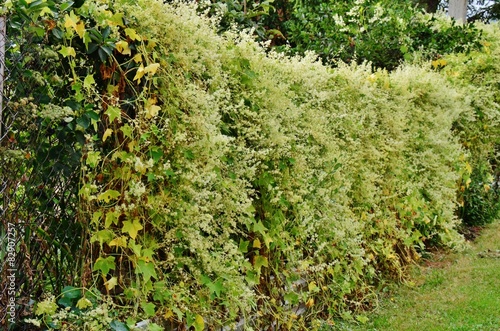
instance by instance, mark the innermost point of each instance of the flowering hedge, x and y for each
(222, 183)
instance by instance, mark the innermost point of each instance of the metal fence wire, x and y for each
(40, 235)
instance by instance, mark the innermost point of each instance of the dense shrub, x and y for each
(223, 182)
(479, 130)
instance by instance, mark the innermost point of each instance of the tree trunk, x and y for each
(458, 10)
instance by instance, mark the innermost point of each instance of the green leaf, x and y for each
(155, 327)
(132, 228)
(69, 295)
(111, 218)
(88, 81)
(104, 265)
(71, 292)
(292, 298)
(362, 319)
(147, 269)
(108, 196)
(83, 303)
(259, 227)
(216, 287)
(83, 121)
(259, 262)
(244, 246)
(136, 248)
(149, 308)
(67, 51)
(252, 278)
(118, 326)
(103, 236)
(113, 113)
(116, 19)
(93, 158)
(127, 131)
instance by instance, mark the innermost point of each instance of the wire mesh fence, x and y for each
(41, 237)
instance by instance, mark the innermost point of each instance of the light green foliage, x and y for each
(255, 170)
(222, 182)
(479, 129)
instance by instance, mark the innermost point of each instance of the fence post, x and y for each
(2, 66)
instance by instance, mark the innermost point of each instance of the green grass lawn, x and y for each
(459, 292)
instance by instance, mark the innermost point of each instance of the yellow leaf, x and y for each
(120, 242)
(137, 58)
(140, 73)
(132, 228)
(80, 29)
(132, 34)
(151, 45)
(467, 183)
(131, 145)
(83, 303)
(46, 11)
(486, 187)
(152, 111)
(168, 314)
(310, 303)
(111, 283)
(151, 69)
(256, 243)
(67, 51)
(468, 167)
(312, 286)
(106, 134)
(199, 323)
(70, 22)
(116, 19)
(122, 47)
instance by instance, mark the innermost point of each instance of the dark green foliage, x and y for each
(481, 198)
(382, 32)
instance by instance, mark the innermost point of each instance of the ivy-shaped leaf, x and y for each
(103, 236)
(132, 34)
(83, 303)
(111, 218)
(111, 283)
(127, 131)
(147, 269)
(80, 29)
(106, 134)
(259, 227)
(67, 51)
(119, 241)
(152, 68)
(259, 262)
(149, 308)
(199, 323)
(113, 113)
(139, 73)
(104, 265)
(88, 81)
(123, 48)
(132, 228)
(108, 196)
